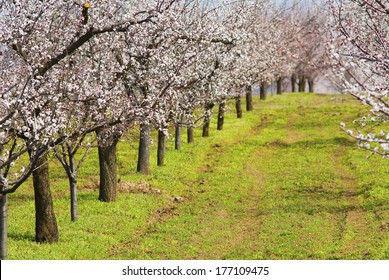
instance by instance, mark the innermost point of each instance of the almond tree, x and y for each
(90, 113)
(358, 49)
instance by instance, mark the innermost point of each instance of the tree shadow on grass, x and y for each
(93, 196)
(313, 143)
(27, 236)
(317, 208)
(329, 193)
(21, 197)
(318, 200)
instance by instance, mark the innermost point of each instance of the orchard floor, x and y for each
(284, 182)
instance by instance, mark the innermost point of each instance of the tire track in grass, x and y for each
(233, 224)
(291, 220)
(362, 235)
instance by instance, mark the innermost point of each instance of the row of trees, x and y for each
(72, 73)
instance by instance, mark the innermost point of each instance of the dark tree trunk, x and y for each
(263, 91)
(249, 98)
(108, 171)
(73, 198)
(46, 228)
(279, 85)
(238, 107)
(206, 127)
(72, 176)
(190, 134)
(302, 83)
(293, 81)
(3, 226)
(207, 119)
(161, 148)
(311, 85)
(220, 116)
(144, 149)
(177, 138)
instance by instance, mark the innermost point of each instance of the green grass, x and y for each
(284, 182)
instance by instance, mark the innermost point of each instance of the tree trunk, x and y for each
(293, 81)
(161, 148)
(72, 177)
(220, 116)
(238, 106)
(302, 83)
(177, 138)
(144, 149)
(190, 134)
(108, 171)
(73, 198)
(3, 215)
(311, 85)
(263, 91)
(207, 119)
(249, 98)
(279, 85)
(206, 127)
(3, 226)
(46, 228)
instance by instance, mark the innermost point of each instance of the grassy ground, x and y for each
(282, 183)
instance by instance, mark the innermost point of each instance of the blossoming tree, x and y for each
(358, 48)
